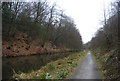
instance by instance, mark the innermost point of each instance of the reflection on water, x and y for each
(27, 63)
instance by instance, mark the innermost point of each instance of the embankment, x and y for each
(109, 64)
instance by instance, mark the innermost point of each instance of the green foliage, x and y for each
(43, 76)
(51, 67)
(73, 64)
(62, 75)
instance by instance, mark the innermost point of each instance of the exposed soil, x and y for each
(20, 45)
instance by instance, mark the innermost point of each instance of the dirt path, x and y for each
(87, 69)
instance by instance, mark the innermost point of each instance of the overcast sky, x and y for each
(87, 14)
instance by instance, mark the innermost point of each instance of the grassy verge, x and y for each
(59, 69)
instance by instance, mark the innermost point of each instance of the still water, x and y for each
(27, 63)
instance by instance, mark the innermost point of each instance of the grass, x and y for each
(59, 69)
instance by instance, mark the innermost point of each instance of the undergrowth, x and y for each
(109, 64)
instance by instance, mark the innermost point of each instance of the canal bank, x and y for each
(59, 69)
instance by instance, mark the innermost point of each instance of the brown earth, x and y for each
(19, 45)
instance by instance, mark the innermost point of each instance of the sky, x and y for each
(87, 14)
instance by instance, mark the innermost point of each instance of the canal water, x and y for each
(27, 63)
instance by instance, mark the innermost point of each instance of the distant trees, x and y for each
(40, 21)
(107, 36)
